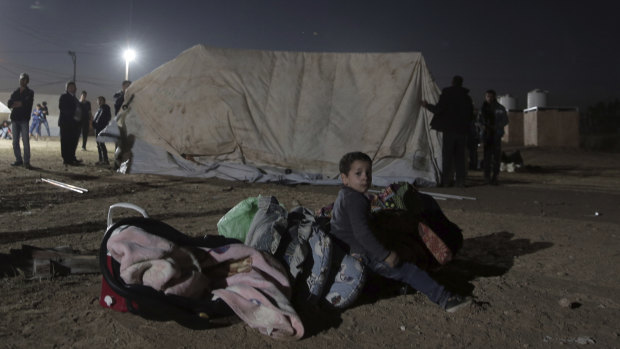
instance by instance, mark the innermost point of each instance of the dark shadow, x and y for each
(485, 256)
(317, 318)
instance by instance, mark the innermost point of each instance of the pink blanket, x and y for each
(253, 284)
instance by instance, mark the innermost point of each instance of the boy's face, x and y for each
(359, 177)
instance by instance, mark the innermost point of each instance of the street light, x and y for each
(129, 56)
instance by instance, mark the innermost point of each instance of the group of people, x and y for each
(74, 120)
(5, 130)
(39, 118)
(462, 129)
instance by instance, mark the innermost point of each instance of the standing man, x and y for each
(119, 97)
(492, 118)
(100, 121)
(453, 115)
(69, 122)
(20, 104)
(87, 117)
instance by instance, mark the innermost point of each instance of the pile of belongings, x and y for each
(403, 219)
(511, 162)
(270, 260)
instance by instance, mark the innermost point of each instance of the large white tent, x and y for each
(280, 116)
(5, 112)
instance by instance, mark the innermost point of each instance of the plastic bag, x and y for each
(236, 222)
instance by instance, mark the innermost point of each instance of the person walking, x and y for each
(44, 114)
(20, 104)
(35, 126)
(453, 114)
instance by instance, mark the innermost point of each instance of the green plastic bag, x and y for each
(236, 222)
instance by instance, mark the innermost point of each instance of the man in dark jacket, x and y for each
(87, 116)
(453, 115)
(100, 121)
(69, 121)
(119, 97)
(20, 104)
(492, 119)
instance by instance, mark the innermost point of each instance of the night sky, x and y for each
(568, 48)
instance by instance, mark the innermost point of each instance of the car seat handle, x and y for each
(125, 205)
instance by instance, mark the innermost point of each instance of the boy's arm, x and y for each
(357, 207)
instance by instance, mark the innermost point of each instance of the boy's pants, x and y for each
(47, 127)
(413, 276)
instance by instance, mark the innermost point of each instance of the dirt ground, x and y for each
(541, 263)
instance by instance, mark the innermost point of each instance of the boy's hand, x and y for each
(392, 259)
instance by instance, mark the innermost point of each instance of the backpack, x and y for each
(413, 224)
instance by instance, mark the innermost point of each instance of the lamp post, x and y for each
(129, 56)
(74, 59)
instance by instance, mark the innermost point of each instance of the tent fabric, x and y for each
(4, 108)
(281, 116)
(5, 112)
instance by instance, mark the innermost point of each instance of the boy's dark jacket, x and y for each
(350, 225)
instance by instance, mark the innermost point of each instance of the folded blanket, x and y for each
(252, 283)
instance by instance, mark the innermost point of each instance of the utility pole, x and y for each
(74, 59)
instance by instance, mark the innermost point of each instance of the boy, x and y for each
(349, 224)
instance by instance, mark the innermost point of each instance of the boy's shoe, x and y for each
(456, 302)
(27, 167)
(17, 163)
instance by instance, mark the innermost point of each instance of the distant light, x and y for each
(37, 6)
(129, 55)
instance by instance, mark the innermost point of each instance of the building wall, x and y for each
(551, 128)
(513, 132)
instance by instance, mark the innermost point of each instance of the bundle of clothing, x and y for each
(251, 283)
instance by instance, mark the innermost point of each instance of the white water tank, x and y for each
(509, 102)
(537, 98)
